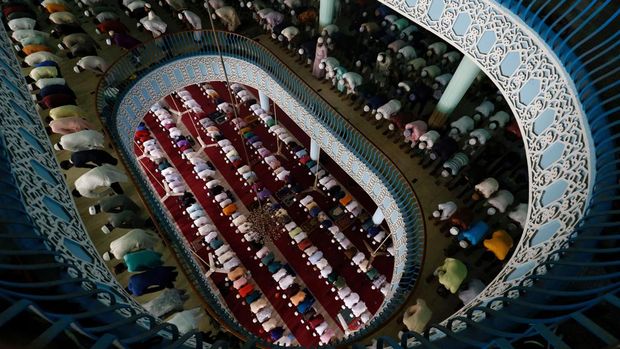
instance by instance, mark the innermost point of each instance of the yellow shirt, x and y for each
(51, 8)
(66, 111)
(500, 244)
(43, 73)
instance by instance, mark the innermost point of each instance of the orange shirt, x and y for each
(298, 298)
(230, 209)
(307, 17)
(345, 200)
(30, 49)
(500, 244)
(51, 8)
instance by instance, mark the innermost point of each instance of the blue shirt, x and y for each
(475, 233)
(160, 277)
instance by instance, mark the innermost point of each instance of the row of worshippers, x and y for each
(36, 46)
(50, 90)
(137, 247)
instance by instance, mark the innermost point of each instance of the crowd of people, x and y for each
(168, 117)
(382, 63)
(46, 35)
(396, 73)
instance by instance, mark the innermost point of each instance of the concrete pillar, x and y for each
(327, 8)
(264, 101)
(378, 217)
(315, 150)
(459, 84)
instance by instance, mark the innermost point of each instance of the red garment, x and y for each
(237, 163)
(170, 125)
(317, 320)
(304, 244)
(143, 139)
(355, 324)
(141, 134)
(462, 218)
(304, 159)
(246, 290)
(513, 128)
(400, 120)
(56, 100)
(7, 10)
(184, 147)
(115, 25)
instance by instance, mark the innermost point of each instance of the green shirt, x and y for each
(142, 260)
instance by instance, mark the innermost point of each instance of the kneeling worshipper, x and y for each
(451, 274)
(417, 316)
(127, 219)
(499, 244)
(142, 260)
(445, 210)
(187, 320)
(82, 140)
(88, 159)
(229, 17)
(70, 125)
(96, 182)
(40, 56)
(45, 81)
(133, 240)
(152, 280)
(473, 235)
(114, 204)
(166, 302)
(153, 23)
(122, 40)
(79, 45)
(474, 287)
(91, 63)
(53, 90)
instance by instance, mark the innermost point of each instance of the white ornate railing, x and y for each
(545, 103)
